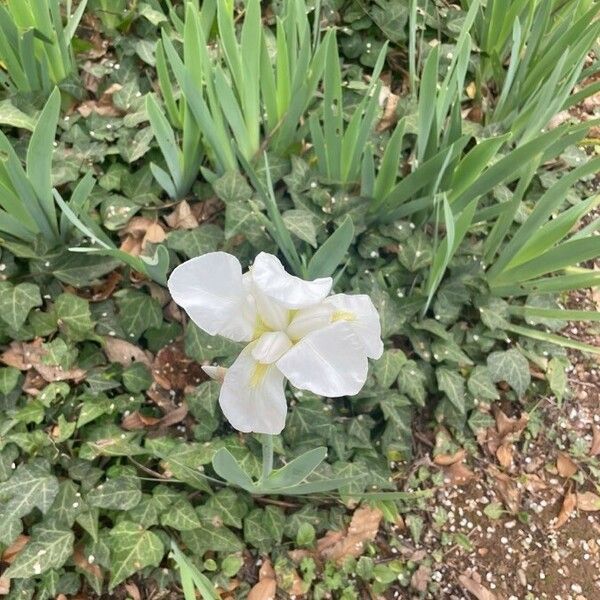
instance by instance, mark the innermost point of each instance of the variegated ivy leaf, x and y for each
(31, 486)
(387, 368)
(453, 385)
(132, 548)
(480, 384)
(120, 493)
(16, 301)
(411, 381)
(137, 312)
(49, 548)
(73, 316)
(181, 516)
(416, 252)
(195, 242)
(302, 224)
(557, 377)
(510, 366)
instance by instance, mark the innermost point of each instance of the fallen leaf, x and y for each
(507, 426)
(595, 447)
(154, 235)
(173, 370)
(568, 506)
(125, 353)
(84, 564)
(104, 106)
(138, 233)
(133, 591)
(507, 489)
(4, 586)
(263, 590)
(9, 555)
(390, 103)
(588, 501)
(182, 217)
(504, 454)
(174, 416)
(25, 356)
(137, 420)
(565, 465)
(474, 587)
(266, 588)
(362, 529)
(446, 460)
(105, 289)
(420, 579)
(458, 474)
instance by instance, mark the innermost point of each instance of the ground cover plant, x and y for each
(438, 161)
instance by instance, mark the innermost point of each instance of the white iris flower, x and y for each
(295, 330)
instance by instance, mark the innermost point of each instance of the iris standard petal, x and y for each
(211, 291)
(252, 396)
(309, 319)
(360, 313)
(329, 362)
(292, 292)
(271, 346)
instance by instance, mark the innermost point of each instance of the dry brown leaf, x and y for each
(174, 416)
(84, 564)
(182, 217)
(106, 288)
(155, 234)
(458, 474)
(125, 353)
(568, 506)
(595, 447)
(173, 370)
(9, 555)
(25, 356)
(263, 590)
(507, 426)
(104, 106)
(4, 586)
(534, 483)
(445, 460)
(565, 465)
(136, 420)
(133, 591)
(474, 587)
(420, 579)
(362, 529)
(504, 454)
(389, 117)
(507, 489)
(588, 501)
(266, 588)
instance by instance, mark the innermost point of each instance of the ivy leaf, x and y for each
(181, 516)
(480, 384)
(211, 537)
(132, 548)
(73, 316)
(137, 312)
(119, 493)
(232, 187)
(49, 548)
(16, 301)
(228, 506)
(411, 381)
(302, 224)
(387, 368)
(416, 253)
(453, 385)
(9, 377)
(195, 242)
(31, 486)
(510, 366)
(202, 347)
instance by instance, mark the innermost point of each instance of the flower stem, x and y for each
(267, 453)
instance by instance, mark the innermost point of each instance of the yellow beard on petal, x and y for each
(258, 374)
(343, 315)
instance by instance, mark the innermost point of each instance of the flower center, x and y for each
(258, 374)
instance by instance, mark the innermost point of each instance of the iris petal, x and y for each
(211, 291)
